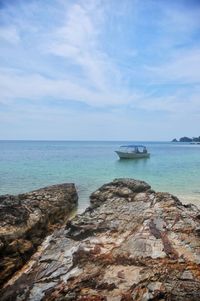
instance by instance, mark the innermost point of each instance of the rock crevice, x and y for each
(130, 244)
(26, 219)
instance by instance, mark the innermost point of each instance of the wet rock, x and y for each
(26, 219)
(131, 244)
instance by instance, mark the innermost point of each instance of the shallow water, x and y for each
(27, 165)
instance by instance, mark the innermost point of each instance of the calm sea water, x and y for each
(27, 165)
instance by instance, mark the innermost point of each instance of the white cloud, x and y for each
(16, 85)
(10, 34)
(65, 58)
(182, 67)
(78, 40)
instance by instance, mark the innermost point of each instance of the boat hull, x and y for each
(123, 155)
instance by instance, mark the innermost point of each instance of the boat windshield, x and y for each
(134, 148)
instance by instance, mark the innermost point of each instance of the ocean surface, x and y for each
(27, 165)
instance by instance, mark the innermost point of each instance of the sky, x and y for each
(99, 69)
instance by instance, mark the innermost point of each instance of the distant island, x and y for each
(187, 139)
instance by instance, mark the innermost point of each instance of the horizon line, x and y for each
(83, 140)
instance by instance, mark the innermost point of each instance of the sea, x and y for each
(28, 165)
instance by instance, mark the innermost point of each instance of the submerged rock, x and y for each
(26, 219)
(130, 244)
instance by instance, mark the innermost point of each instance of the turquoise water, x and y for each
(27, 165)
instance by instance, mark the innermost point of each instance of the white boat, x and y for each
(132, 152)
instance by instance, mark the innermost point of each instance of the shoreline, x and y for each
(189, 199)
(84, 195)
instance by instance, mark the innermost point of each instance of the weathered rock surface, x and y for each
(131, 244)
(26, 219)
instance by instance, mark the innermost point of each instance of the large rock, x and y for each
(131, 244)
(26, 219)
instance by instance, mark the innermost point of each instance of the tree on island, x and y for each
(187, 139)
(196, 139)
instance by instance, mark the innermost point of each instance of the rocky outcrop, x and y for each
(130, 244)
(26, 219)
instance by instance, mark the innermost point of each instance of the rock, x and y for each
(26, 219)
(187, 275)
(130, 244)
(174, 140)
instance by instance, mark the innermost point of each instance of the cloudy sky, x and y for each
(99, 69)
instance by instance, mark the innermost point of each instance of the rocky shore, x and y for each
(26, 219)
(132, 243)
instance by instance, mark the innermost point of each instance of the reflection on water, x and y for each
(132, 161)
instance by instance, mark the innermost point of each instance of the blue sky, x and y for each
(99, 69)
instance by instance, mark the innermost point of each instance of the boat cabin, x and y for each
(132, 152)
